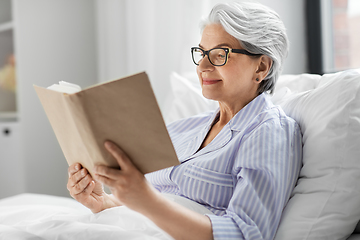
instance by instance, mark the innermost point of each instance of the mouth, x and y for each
(210, 81)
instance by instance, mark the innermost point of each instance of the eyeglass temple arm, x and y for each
(243, 51)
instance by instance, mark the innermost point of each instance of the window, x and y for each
(333, 35)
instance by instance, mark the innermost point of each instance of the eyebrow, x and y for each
(219, 45)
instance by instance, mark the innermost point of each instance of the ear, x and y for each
(264, 65)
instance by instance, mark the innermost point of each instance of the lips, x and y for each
(210, 81)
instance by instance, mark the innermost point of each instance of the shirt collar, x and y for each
(250, 111)
(239, 122)
(244, 116)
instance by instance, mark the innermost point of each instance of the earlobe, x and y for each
(257, 80)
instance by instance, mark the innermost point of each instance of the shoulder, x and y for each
(277, 116)
(270, 141)
(262, 114)
(269, 130)
(276, 124)
(273, 132)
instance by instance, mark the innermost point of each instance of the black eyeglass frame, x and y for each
(227, 51)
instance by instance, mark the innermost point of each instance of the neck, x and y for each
(228, 111)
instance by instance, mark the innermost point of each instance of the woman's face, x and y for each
(233, 82)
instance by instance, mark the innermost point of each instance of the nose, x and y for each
(205, 65)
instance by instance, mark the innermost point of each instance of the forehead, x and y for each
(214, 35)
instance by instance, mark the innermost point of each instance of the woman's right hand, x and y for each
(84, 189)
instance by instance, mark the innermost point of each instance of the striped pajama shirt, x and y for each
(245, 175)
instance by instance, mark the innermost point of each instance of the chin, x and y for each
(209, 96)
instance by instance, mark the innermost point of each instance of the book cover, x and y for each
(124, 111)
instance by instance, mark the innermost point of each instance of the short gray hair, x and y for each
(259, 30)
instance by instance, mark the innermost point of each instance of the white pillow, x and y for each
(185, 98)
(325, 204)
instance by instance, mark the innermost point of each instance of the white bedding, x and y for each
(33, 216)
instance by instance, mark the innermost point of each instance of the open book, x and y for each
(124, 111)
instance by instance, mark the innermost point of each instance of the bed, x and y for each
(325, 203)
(37, 216)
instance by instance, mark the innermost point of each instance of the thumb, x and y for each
(120, 156)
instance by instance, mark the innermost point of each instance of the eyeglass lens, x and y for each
(217, 56)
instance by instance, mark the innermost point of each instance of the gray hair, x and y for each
(259, 30)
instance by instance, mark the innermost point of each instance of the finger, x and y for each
(104, 180)
(82, 185)
(74, 168)
(107, 171)
(89, 188)
(77, 177)
(119, 155)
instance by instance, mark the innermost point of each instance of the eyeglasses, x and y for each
(216, 56)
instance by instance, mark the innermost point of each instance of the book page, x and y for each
(65, 87)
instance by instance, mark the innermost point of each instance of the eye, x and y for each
(220, 55)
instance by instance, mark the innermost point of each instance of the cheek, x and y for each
(231, 76)
(236, 79)
(242, 71)
(198, 74)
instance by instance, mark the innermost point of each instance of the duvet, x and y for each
(32, 216)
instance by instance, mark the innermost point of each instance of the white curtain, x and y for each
(148, 35)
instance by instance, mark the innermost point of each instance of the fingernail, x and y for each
(108, 144)
(77, 168)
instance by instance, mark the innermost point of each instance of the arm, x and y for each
(131, 188)
(176, 220)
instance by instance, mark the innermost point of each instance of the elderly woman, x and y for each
(241, 162)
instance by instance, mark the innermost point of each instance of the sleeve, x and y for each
(265, 171)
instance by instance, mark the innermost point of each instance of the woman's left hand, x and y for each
(127, 184)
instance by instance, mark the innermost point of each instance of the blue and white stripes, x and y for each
(244, 176)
